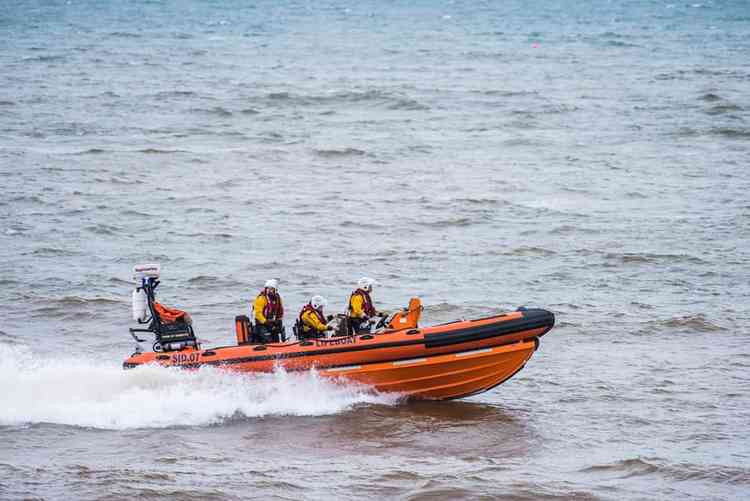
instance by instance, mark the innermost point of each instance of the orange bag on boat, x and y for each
(169, 315)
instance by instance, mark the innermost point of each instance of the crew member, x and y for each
(311, 321)
(269, 312)
(361, 308)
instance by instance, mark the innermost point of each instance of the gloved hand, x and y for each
(382, 314)
(329, 317)
(329, 327)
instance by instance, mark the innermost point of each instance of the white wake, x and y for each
(86, 393)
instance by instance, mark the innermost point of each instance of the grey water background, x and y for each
(586, 157)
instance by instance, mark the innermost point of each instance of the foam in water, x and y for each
(81, 392)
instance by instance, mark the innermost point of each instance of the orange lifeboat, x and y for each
(438, 362)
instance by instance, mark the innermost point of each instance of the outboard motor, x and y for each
(172, 328)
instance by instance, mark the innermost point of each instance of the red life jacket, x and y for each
(367, 302)
(273, 310)
(305, 309)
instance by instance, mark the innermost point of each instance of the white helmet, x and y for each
(272, 284)
(365, 283)
(318, 302)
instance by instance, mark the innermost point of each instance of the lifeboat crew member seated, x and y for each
(361, 308)
(311, 322)
(269, 312)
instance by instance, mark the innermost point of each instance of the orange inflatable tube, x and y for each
(438, 362)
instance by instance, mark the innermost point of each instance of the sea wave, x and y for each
(529, 251)
(690, 323)
(53, 252)
(175, 93)
(360, 225)
(158, 151)
(450, 222)
(619, 43)
(407, 104)
(9, 339)
(733, 74)
(90, 151)
(376, 97)
(103, 229)
(71, 307)
(136, 213)
(731, 132)
(27, 199)
(647, 257)
(223, 236)
(570, 229)
(211, 281)
(215, 111)
(86, 393)
(626, 468)
(44, 58)
(482, 202)
(339, 152)
(727, 132)
(720, 109)
(506, 93)
(443, 308)
(124, 34)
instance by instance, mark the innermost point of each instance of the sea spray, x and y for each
(87, 393)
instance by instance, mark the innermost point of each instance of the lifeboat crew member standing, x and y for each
(311, 322)
(269, 312)
(361, 308)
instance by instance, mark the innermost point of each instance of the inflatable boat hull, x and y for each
(439, 362)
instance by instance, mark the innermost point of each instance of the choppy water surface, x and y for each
(587, 157)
